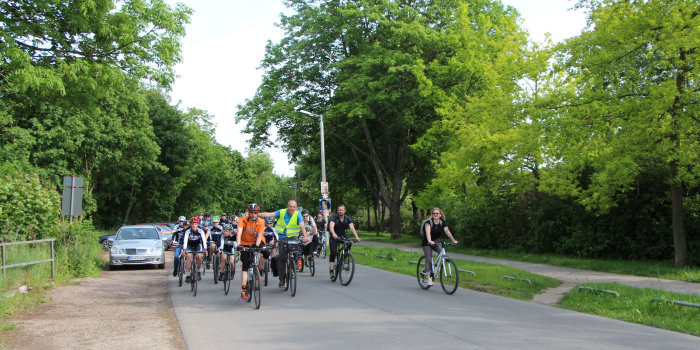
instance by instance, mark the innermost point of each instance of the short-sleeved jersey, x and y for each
(436, 230)
(251, 230)
(215, 233)
(341, 225)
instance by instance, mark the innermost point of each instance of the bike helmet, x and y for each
(215, 219)
(182, 218)
(194, 220)
(227, 227)
(200, 213)
(253, 207)
(305, 212)
(270, 219)
(223, 214)
(207, 214)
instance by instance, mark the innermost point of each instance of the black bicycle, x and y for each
(215, 264)
(345, 262)
(181, 268)
(229, 271)
(252, 287)
(193, 275)
(290, 280)
(310, 262)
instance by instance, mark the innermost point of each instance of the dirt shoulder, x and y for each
(125, 309)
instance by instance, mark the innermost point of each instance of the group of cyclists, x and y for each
(203, 236)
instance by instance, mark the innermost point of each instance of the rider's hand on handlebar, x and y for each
(335, 236)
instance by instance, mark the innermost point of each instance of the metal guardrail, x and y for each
(674, 302)
(52, 260)
(596, 290)
(518, 279)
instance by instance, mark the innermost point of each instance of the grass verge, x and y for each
(489, 278)
(634, 305)
(656, 269)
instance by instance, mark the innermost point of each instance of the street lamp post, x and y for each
(323, 146)
(323, 161)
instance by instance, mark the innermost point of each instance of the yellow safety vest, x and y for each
(292, 228)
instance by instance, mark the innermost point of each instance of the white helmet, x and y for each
(182, 218)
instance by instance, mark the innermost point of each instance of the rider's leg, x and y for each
(334, 253)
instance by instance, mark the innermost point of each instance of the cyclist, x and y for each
(322, 234)
(338, 224)
(311, 229)
(207, 219)
(431, 231)
(289, 223)
(228, 244)
(225, 219)
(250, 234)
(178, 234)
(193, 243)
(215, 233)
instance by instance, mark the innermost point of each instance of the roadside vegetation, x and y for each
(489, 277)
(634, 305)
(656, 269)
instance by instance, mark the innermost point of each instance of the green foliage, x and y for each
(27, 207)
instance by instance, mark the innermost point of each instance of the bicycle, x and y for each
(193, 276)
(252, 287)
(181, 269)
(290, 279)
(215, 264)
(229, 272)
(345, 263)
(443, 266)
(310, 262)
(321, 249)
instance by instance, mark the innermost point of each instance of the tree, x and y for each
(631, 95)
(379, 72)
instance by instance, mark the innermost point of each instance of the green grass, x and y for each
(633, 305)
(664, 270)
(489, 278)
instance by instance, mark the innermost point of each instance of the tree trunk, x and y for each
(375, 203)
(131, 204)
(679, 238)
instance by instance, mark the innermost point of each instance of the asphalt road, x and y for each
(384, 310)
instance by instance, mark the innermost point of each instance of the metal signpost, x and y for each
(72, 200)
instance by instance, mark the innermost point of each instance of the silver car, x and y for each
(137, 245)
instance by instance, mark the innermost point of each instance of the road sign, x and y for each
(72, 200)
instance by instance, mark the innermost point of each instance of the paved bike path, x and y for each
(567, 274)
(384, 310)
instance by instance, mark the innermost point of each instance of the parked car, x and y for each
(106, 241)
(166, 234)
(137, 245)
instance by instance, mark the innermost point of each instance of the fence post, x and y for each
(2, 251)
(52, 262)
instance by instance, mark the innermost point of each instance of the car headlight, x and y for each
(117, 250)
(157, 249)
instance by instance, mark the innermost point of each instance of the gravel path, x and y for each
(124, 309)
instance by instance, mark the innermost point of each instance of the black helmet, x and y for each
(200, 213)
(227, 227)
(253, 207)
(207, 214)
(305, 212)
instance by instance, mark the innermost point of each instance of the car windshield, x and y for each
(137, 233)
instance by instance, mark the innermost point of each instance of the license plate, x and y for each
(136, 258)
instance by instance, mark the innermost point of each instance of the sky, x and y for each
(225, 44)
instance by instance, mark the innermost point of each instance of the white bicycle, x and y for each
(443, 266)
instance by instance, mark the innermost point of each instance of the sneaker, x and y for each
(281, 285)
(331, 273)
(199, 276)
(244, 296)
(221, 276)
(208, 265)
(188, 279)
(174, 273)
(430, 281)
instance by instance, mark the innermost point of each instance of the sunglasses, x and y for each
(436, 213)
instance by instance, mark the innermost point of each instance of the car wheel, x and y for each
(105, 245)
(112, 267)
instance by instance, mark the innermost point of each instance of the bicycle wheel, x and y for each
(323, 251)
(293, 280)
(266, 269)
(227, 277)
(312, 265)
(336, 268)
(300, 256)
(256, 287)
(449, 276)
(421, 275)
(290, 266)
(249, 287)
(348, 269)
(215, 261)
(180, 270)
(194, 277)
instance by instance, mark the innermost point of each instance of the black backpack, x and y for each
(426, 222)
